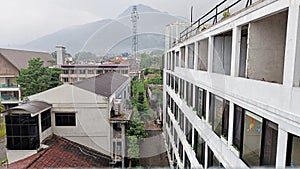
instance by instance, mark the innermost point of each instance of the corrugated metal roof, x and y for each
(20, 58)
(33, 107)
(104, 85)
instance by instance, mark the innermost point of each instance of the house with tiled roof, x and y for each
(11, 62)
(92, 113)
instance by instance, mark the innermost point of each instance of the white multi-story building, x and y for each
(231, 88)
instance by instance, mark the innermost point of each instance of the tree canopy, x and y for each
(2, 108)
(148, 61)
(37, 77)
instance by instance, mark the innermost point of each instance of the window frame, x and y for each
(66, 114)
(46, 120)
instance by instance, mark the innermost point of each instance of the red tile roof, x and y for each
(150, 75)
(63, 153)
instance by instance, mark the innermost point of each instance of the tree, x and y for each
(37, 78)
(2, 108)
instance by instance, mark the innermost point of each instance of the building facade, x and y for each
(231, 89)
(11, 62)
(91, 113)
(75, 72)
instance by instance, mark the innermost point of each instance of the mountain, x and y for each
(110, 36)
(141, 9)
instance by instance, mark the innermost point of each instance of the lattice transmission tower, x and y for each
(134, 19)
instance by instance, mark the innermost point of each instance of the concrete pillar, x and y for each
(206, 156)
(60, 55)
(235, 54)
(207, 106)
(179, 60)
(230, 127)
(186, 56)
(281, 148)
(210, 54)
(196, 54)
(291, 44)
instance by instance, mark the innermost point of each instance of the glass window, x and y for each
(252, 139)
(176, 84)
(180, 151)
(66, 71)
(46, 120)
(65, 119)
(237, 127)
(187, 163)
(191, 54)
(81, 71)
(219, 115)
(212, 159)
(199, 147)
(177, 59)
(181, 120)
(201, 102)
(188, 131)
(270, 144)
(22, 132)
(182, 53)
(293, 151)
(90, 71)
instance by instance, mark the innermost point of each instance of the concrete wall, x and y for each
(267, 39)
(203, 55)
(7, 68)
(92, 126)
(297, 61)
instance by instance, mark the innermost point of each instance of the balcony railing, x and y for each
(9, 98)
(212, 15)
(9, 86)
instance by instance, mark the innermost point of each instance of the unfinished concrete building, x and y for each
(231, 87)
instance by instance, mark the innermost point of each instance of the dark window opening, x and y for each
(255, 138)
(293, 151)
(46, 120)
(219, 115)
(199, 147)
(65, 119)
(22, 132)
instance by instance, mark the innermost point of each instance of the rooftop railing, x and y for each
(212, 15)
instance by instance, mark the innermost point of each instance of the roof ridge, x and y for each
(23, 50)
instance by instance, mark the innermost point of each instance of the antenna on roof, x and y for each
(192, 14)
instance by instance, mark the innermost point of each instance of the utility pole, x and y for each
(134, 19)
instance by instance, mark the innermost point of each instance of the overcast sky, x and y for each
(25, 20)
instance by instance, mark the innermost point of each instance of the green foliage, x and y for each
(136, 126)
(148, 61)
(2, 108)
(37, 78)
(133, 147)
(154, 80)
(2, 128)
(226, 13)
(4, 161)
